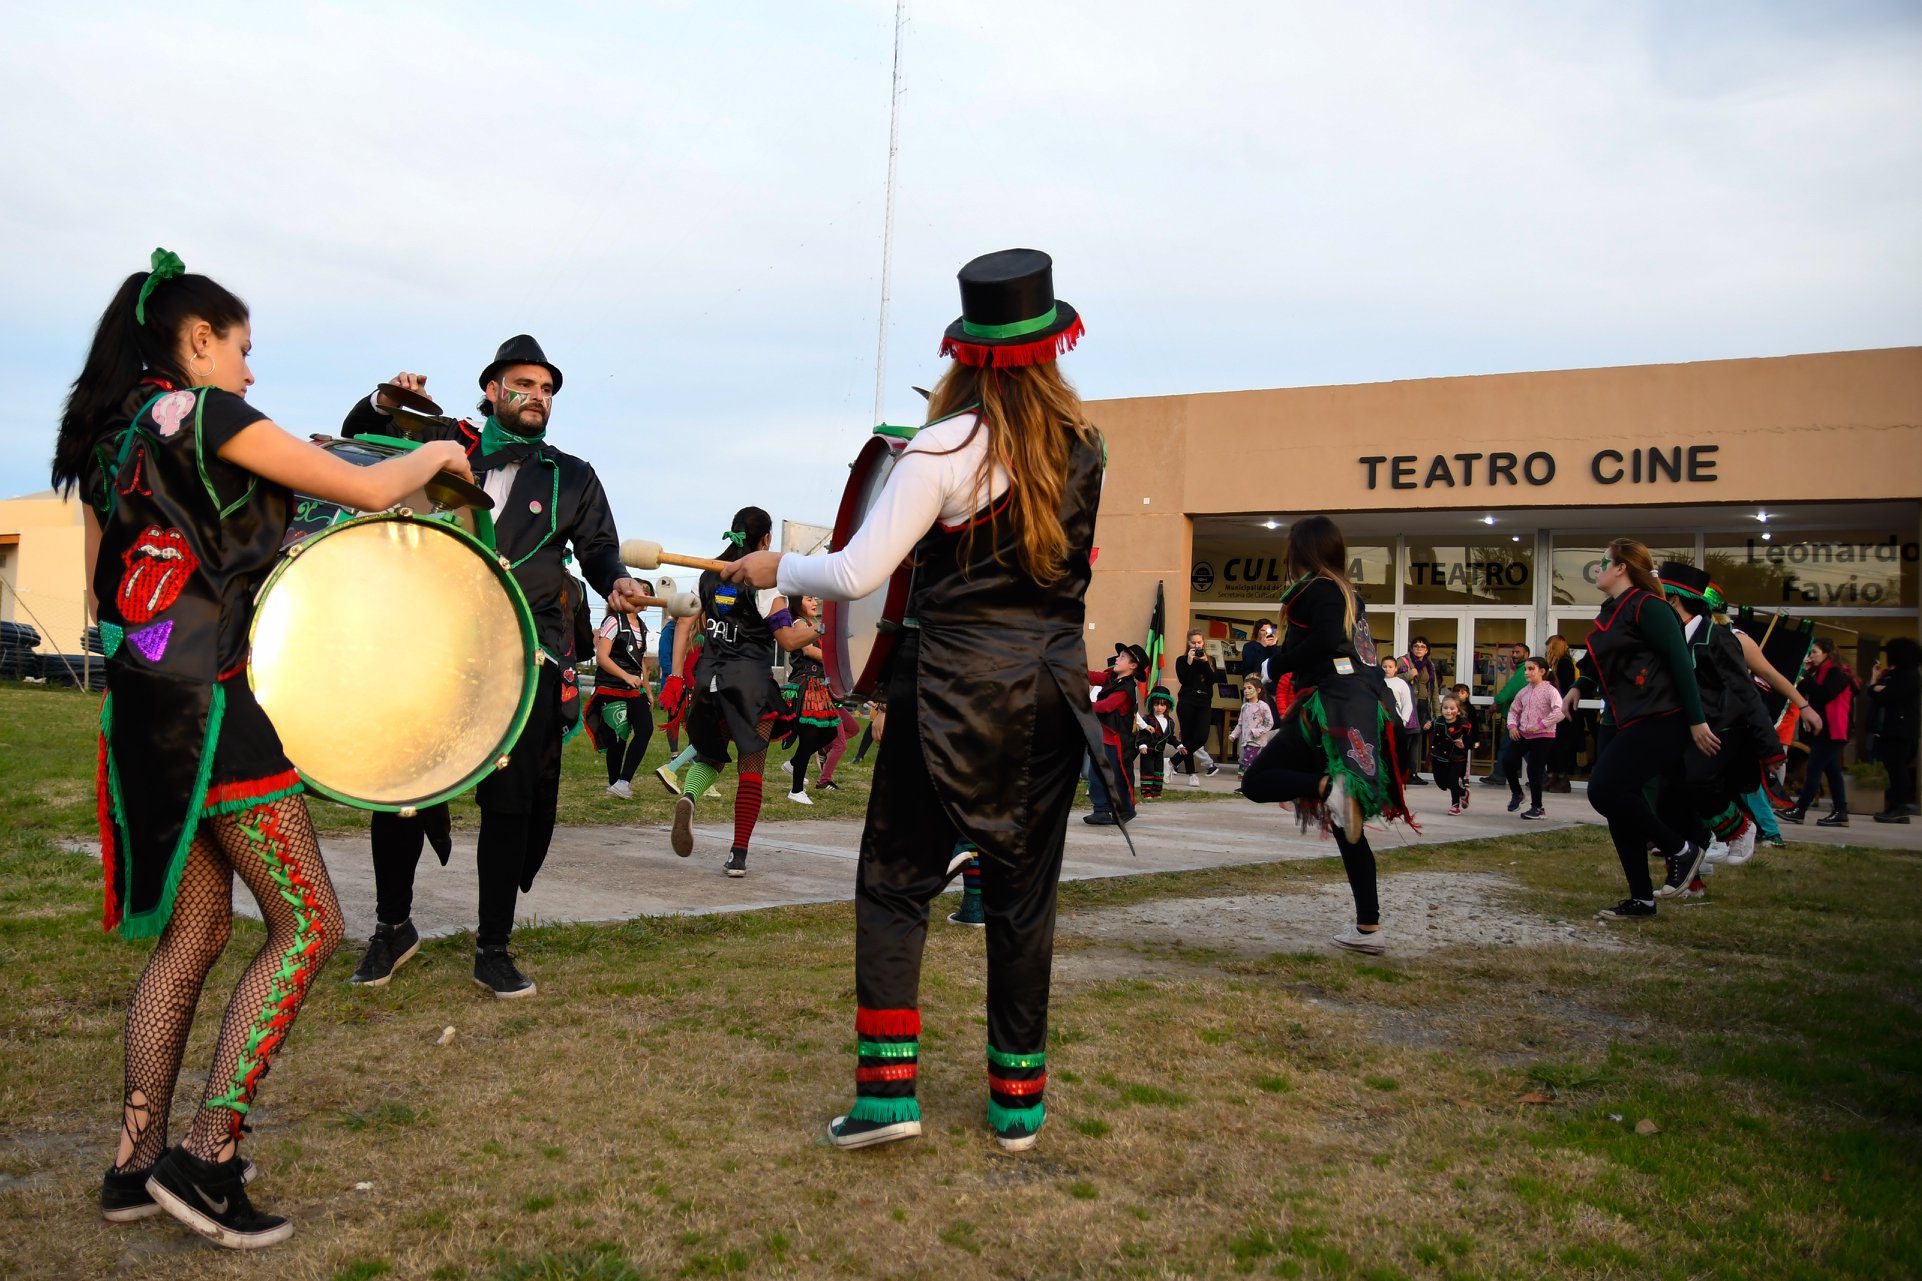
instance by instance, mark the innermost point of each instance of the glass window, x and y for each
(1578, 559)
(1491, 573)
(1856, 570)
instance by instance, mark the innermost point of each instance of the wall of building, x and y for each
(46, 568)
(1836, 426)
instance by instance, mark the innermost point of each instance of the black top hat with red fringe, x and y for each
(1009, 314)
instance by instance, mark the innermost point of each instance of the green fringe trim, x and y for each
(1012, 1121)
(1369, 792)
(888, 1049)
(885, 1111)
(1001, 1058)
(149, 924)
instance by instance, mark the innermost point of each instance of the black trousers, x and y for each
(1536, 753)
(1193, 717)
(624, 759)
(1898, 755)
(1825, 761)
(899, 876)
(1629, 760)
(518, 806)
(1449, 777)
(1290, 768)
(810, 741)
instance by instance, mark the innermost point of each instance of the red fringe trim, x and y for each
(273, 787)
(109, 860)
(887, 1022)
(1009, 355)
(1002, 1085)
(892, 1072)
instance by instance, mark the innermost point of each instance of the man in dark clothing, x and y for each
(545, 501)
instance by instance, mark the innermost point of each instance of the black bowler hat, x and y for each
(1135, 652)
(521, 349)
(1009, 314)
(1685, 580)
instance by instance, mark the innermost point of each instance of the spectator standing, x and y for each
(1830, 687)
(1512, 675)
(1418, 669)
(1407, 725)
(1896, 690)
(1197, 676)
(1568, 733)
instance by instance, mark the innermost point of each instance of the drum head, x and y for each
(396, 659)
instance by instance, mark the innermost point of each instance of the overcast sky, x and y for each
(683, 202)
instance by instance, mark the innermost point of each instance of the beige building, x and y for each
(1476, 508)
(42, 569)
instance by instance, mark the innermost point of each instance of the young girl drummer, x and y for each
(995, 499)
(187, 489)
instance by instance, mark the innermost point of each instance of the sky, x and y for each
(684, 202)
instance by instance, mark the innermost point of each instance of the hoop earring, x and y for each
(213, 368)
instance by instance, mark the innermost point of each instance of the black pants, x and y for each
(1290, 768)
(810, 741)
(517, 804)
(1630, 758)
(1193, 717)
(1825, 760)
(1898, 755)
(906, 851)
(1536, 752)
(1449, 776)
(624, 759)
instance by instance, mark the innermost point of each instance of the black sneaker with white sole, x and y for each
(1628, 910)
(848, 1134)
(827, 785)
(124, 1196)
(1682, 868)
(736, 864)
(1534, 811)
(495, 970)
(211, 1198)
(391, 947)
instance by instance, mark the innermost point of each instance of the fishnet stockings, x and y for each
(274, 850)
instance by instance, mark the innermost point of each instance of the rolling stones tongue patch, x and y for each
(158, 566)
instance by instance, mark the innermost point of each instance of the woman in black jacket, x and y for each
(1197, 675)
(1333, 753)
(1896, 690)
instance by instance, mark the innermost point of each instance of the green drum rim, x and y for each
(523, 615)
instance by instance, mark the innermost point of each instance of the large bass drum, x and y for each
(396, 657)
(444, 497)
(861, 634)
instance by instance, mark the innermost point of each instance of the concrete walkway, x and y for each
(618, 873)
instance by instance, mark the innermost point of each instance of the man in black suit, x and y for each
(545, 500)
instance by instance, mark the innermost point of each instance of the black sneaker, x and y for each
(847, 1134)
(682, 838)
(212, 1199)
(391, 947)
(124, 1196)
(736, 864)
(1100, 818)
(1627, 910)
(1835, 818)
(1792, 814)
(1514, 803)
(827, 787)
(495, 970)
(1893, 816)
(1682, 868)
(1213, 770)
(1534, 811)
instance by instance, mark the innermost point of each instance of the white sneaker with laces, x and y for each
(1355, 940)
(1717, 851)
(1742, 848)
(1194, 781)
(619, 787)
(800, 798)
(787, 767)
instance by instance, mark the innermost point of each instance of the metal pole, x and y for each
(887, 217)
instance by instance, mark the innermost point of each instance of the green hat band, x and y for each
(1015, 330)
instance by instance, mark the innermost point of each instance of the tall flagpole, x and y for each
(887, 220)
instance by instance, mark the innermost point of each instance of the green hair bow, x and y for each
(737, 537)
(166, 265)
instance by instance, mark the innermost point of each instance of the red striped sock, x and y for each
(747, 808)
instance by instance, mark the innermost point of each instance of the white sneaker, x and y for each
(1343, 810)
(800, 798)
(620, 787)
(787, 767)
(1194, 781)
(1742, 848)
(1717, 851)
(1355, 941)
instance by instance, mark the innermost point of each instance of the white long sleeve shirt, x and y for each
(936, 479)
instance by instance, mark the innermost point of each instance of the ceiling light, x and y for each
(1271, 524)
(1766, 535)
(1763, 517)
(1514, 538)
(1488, 520)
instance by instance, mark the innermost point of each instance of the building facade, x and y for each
(43, 573)
(1476, 509)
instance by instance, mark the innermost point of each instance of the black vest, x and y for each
(1633, 677)
(629, 646)
(736, 632)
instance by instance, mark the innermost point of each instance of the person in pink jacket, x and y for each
(1532, 719)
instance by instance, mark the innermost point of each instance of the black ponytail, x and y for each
(753, 525)
(124, 350)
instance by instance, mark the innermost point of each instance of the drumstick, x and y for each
(640, 553)
(679, 605)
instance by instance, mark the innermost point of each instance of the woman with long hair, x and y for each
(1642, 668)
(1197, 676)
(995, 499)
(1568, 732)
(1830, 686)
(817, 722)
(735, 702)
(619, 716)
(187, 490)
(1334, 753)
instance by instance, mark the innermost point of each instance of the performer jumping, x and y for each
(995, 499)
(735, 701)
(545, 501)
(619, 716)
(1334, 751)
(187, 489)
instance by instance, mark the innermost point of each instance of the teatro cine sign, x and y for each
(1643, 465)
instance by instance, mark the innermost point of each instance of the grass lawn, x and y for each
(656, 1110)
